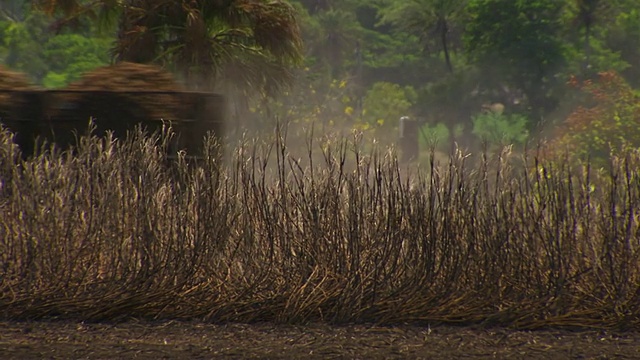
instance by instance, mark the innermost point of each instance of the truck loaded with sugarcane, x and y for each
(113, 98)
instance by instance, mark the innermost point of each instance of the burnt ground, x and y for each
(169, 340)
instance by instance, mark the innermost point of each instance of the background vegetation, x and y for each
(353, 63)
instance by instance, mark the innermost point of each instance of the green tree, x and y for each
(623, 37)
(331, 39)
(50, 58)
(22, 37)
(428, 19)
(518, 43)
(249, 44)
(345, 40)
(69, 56)
(594, 18)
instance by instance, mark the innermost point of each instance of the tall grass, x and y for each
(115, 229)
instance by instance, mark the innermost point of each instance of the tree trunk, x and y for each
(445, 47)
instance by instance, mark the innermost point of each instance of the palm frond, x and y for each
(274, 25)
(251, 43)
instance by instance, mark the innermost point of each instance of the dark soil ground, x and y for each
(169, 340)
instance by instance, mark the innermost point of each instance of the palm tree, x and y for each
(338, 36)
(425, 18)
(252, 44)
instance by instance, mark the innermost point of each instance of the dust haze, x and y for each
(334, 93)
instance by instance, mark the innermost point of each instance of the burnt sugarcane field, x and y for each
(320, 179)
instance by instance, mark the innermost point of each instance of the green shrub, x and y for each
(385, 103)
(496, 128)
(435, 135)
(608, 121)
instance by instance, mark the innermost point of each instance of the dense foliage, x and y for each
(450, 58)
(608, 124)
